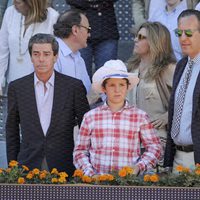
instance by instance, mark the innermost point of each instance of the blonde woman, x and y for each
(154, 61)
(21, 21)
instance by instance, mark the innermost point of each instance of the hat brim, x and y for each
(132, 77)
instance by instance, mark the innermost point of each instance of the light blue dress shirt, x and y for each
(72, 64)
(185, 136)
(169, 19)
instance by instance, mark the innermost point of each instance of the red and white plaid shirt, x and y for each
(111, 140)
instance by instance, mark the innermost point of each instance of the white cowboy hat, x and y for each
(113, 69)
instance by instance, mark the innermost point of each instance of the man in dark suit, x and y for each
(183, 143)
(44, 107)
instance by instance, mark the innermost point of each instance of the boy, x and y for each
(110, 135)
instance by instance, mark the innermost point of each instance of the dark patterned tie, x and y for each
(178, 106)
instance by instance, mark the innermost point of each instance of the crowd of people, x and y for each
(143, 113)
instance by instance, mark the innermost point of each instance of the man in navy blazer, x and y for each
(183, 146)
(43, 109)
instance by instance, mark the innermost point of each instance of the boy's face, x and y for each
(116, 90)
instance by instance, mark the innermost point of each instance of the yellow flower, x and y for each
(86, 179)
(186, 169)
(122, 172)
(29, 175)
(54, 171)
(146, 178)
(42, 175)
(179, 168)
(13, 163)
(25, 168)
(21, 180)
(36, 171)
(197, 171)
(78, 173)
(54, 180)
(63, 174)
(62, 180)
(154, 178)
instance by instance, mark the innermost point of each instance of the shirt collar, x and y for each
(50, 81)
(106, 107)
(195, 59)
(64, 48)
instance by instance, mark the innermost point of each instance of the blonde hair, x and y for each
(37, 11)
(160, 50)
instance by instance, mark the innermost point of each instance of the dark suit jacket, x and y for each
(195, 126)
(102, 19)
(69, 103)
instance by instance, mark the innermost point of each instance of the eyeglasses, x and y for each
(141, 37)
(188, 32)
(87, 28)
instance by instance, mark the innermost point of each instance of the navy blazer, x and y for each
(195, 126)
(69, 106)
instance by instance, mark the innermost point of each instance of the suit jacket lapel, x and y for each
(32, 100)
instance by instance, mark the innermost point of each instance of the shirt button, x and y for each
(99, 13)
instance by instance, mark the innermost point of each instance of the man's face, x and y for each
(83, 33)
(190, 45)
(116, 90)
(43, 60)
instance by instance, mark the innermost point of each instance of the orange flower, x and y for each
(54, 180)
(122, 172)
(197, 165)
(21, 180)
(8, 170)
(1, 170)
(36, 171)
(102, 177)
(25, 168)
(110, 177)
(42, 175)
(86, 179)
(63, 174)
(154, 178)
(62, 180)
(54, 171)
(129, 170)
(13, 163)
(78, 173)
(29, 175)
(197, 172)
(146, 178)
(179, 168)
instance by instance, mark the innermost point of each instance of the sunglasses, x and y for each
(87, 28)
(188, 32)
(141, 37)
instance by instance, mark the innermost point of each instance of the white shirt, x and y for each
(197, 7)
(44, 99)
(169, 19)
(72, 64)
(185, 137)
(10, 42)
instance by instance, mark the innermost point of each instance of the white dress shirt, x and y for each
(44, 99)
(72, 64)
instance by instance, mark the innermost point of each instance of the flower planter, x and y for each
(95, 192)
